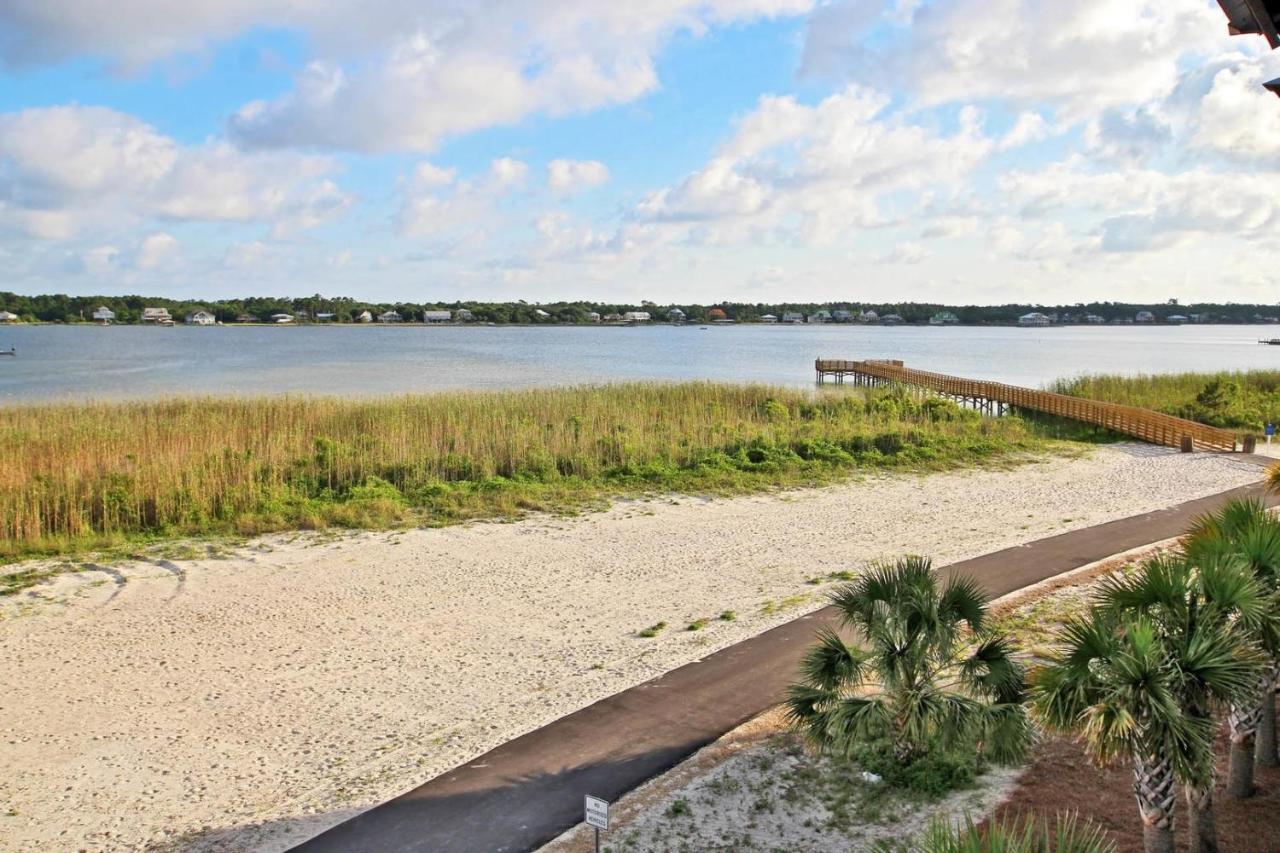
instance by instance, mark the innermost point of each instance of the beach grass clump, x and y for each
(95, 475)
(1233, 400)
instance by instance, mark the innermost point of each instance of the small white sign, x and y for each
(597, 812)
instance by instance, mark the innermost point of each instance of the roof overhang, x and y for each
(1253, 17)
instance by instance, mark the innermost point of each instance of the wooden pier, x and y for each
(997, 398)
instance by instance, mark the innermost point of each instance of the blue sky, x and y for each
(675, 150)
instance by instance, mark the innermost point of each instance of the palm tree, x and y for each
(1244, 531)
(928, 672)
(1188, 602)
(1117, 682)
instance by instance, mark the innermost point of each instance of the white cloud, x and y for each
(905, 253)
(1237, 118)
(568, 176)
(62, 168)
(1030, 127)
(436, 204)
(434, 70)
(1079, 57)
(816, 173)
(156, 250)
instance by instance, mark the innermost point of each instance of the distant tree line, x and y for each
(59, 308)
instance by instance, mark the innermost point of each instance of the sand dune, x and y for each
(249, 702)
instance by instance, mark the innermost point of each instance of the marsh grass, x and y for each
(1233, 400)
(103, 475)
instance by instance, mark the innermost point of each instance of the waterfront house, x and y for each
(1094, 319)
(325, 316)
(675, 315)
(540, 314)
(1144, 317)
(464, 316)
(768, 318)
(1176, 319)
(282, 319)
(636, 317)
(201, 318)
(8, 317)
(246, 318)
(364, 317)
(944, 318)
(160, 316)
(438, 316)
(1035, 318)
(613, 318)
(103, 315)
(593, 316)
(820, 317)
(891, 320)
(792, 317)
(842, 316)
(389, 317)
(868, 317)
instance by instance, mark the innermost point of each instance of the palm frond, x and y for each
(832, 664)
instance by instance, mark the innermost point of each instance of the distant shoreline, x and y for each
(639, 325)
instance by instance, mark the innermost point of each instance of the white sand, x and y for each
(248, 703)
(755, 791)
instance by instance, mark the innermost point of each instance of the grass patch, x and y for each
(696, 625)
(652, 630)
(1244, 400)
(100, 476)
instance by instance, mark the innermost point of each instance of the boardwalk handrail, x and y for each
(1153, 427)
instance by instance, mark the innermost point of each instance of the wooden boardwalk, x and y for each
(995, 397)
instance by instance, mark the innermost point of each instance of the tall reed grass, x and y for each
(1235, 400)
(78, 476)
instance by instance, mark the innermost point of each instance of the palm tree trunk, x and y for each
(1265, 746)
(1201, 827)
(1244, 726)
(1153, 788)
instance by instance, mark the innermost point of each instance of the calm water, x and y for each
(57, 362)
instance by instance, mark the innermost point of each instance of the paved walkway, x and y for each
(524, 793)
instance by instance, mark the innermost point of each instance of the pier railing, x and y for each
(1153, 427)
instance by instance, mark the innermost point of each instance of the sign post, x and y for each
(596, 812)
(1270, 430)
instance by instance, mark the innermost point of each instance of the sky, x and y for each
(954, 151)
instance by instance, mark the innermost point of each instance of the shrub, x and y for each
(1066, 834)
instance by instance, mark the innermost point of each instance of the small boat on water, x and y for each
(9, 351)
(1275, 342)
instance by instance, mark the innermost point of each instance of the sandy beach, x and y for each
(250, 701)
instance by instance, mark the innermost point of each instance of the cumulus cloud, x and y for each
(156, 250)
(1029, 127)
(1237, 118)
(397, 75)
(64, 167)
(1080, 57)
(568, 176)
(814, 173)
(435, 203)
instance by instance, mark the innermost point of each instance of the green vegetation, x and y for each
(1147, 672)
(1242, 400)
(1067, 834)
(652, 630)
(60, 308)
(930, 679)
(108, 474)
